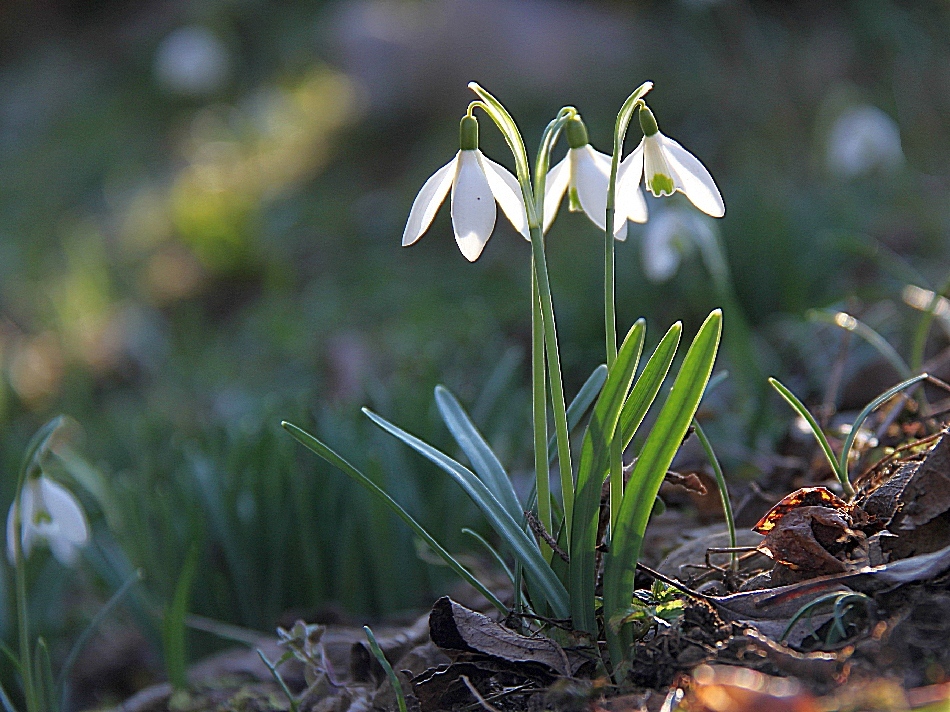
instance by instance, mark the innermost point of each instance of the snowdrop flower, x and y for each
(477, 183)
(863, 138)
(584, 175)
(667, 167)
(672, 234)
(48, 511)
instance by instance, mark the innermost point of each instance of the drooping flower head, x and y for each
(584, 175)
(667, 167)
(48, 512)
(477, 183)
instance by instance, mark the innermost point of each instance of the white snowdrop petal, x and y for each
(620, 227)
(630, 202)
(28, 503)
(507, 192)
(693, 180)
(656, 167)
(427, 202)
(555, 185)
(11, 551)
(66, 514)
(64, 550)
(473, 207)
(591, 176)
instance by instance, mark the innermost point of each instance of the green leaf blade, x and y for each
(327, 454)
(484, 461)
(524, 547)
(648, 384)
(655, 458)
(594, 463)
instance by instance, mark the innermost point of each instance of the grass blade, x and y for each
(524, 547)
(88, 632)
(816, 430)
(384, 663)
(648, 384)
(655, 458)
(173, 626)
(5, 702)
(492, 551)
(479, 453)
(868, 409)
(317, 447)
(847, 322)
(723, 488)
(594, 463)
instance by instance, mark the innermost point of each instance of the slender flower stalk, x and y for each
(632, 204)
(539, 406)
(534, 208)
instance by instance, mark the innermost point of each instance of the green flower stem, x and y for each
(533, 209)
(610, 293)
(19, 567)
(540, 412)
(554, 373)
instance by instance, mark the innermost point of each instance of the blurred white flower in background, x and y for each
(192, 61)
(864, 138)
(672, 234)
(50, 512)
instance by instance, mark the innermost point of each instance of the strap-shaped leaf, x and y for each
(582, 401)
(479, 453)
(655, 458)
(523, 546)
(595, 459)
(314, 445)
(648, 384)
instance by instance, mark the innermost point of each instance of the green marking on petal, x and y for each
(661, 185)
(574, 201)
(42, 517)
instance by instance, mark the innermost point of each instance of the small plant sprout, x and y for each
(477, 183)
(584, 174)
(47, 512)
(666, 167)
(42, 511)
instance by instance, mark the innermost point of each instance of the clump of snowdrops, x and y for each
(553, 537)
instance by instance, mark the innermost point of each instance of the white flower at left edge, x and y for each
(667, 167)
(585, 173)
(477, 183)
(50, 512)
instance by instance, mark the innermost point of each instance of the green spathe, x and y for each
(468, 133)
(576, 133)
(648, 121)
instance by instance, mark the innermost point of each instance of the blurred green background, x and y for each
(201, 205)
